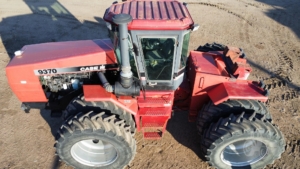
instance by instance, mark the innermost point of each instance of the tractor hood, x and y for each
(33, 61)
(66, 54)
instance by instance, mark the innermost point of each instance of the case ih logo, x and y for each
(91, 68)
(75, 69)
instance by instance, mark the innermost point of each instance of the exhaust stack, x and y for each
(126, 75)
(126, 86)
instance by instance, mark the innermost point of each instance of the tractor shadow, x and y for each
(54, 125)
(49, 21)
(185, 132)
(283, 10)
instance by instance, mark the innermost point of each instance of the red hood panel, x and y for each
(88, 52)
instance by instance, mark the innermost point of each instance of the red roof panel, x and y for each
(153, 15)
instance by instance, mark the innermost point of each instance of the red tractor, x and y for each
(106, 89)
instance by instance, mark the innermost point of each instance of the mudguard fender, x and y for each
(237, 90)
(98, 93)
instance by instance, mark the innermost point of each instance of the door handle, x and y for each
(152, 83)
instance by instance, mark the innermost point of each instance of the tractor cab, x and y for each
(158, 38)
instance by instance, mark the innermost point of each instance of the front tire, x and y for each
(95, 140)
(242, 141)
(80, 105)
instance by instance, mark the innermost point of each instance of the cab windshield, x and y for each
(158, 56)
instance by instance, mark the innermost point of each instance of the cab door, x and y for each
(158, 58)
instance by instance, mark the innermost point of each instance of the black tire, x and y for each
(211, 47)
(217, 47)
(211, 113)
(256, 141)
(80, 105)
(92, 128)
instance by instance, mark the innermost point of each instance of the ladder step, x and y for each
(163, 101)
(152, 135)
(156, 99)
(155, 111)
(153, 125)
(157, 122)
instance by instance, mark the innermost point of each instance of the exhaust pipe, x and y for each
(126, 86)
(126, 75)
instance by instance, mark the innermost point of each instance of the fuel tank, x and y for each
(32, 61)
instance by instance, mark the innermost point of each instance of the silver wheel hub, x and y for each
(244, 153)
(94, 152)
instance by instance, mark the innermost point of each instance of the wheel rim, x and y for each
(94, 152)
(244, 153)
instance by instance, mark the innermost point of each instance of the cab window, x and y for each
(184, 50)
(158, 56)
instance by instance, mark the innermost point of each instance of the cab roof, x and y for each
(152, 14)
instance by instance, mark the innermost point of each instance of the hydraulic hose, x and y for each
(105, 84)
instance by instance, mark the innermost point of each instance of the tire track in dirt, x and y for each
(221, 8)
(286, 96)
(243, 33)
(285, 49)
(288, 61)
(283, 71)
(284, 58)
(280, 73)
(287, 56)
(285, 93)
(293, 146)
(285, 66)
(259, 5)
(246, 32)
(273, 83)
(292, 152)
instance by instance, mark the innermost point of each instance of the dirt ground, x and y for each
(267, 30)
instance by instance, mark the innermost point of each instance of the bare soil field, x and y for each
(267, 30)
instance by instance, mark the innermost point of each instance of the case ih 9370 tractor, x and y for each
(107, 89)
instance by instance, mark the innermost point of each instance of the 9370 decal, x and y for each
(47, 71)
(75, 69)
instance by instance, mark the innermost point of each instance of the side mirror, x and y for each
(195, 27)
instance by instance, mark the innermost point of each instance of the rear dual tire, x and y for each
(211, 113)
(240, 139)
